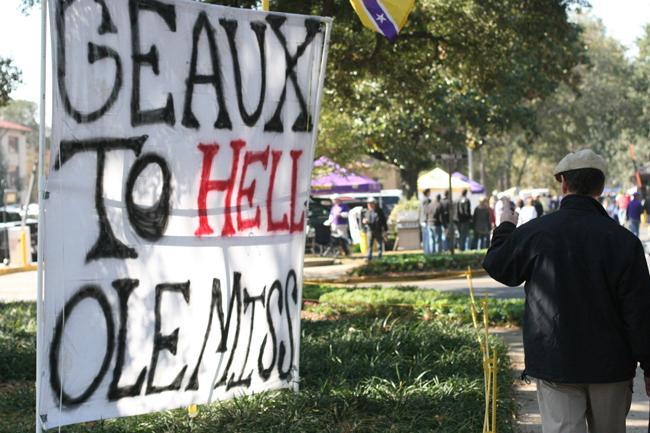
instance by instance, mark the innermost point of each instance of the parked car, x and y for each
(318, 234)
(387, 199)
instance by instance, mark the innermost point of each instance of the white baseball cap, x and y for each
(585, 158)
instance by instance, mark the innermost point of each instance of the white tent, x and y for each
(437, 180)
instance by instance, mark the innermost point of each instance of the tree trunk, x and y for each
(482, 169)
(328, 8)
(409, 181)
(522, 169)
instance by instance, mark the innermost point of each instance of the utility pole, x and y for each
(451, 230)
(639, 181)
(470, 163)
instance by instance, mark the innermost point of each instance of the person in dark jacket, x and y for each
(442, 214)
(587, 311)
(464, 219)
(539, 208)
(374, 221)
(633, 214)
(482, 225)
(438, 229)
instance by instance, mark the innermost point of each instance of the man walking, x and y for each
(375, 222)
(586, 320)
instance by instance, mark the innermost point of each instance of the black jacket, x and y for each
(375, 220)
(587, 313)
(463, 210)
(441, 213)
(482, 220)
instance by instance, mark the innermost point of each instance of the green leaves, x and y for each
(604, 110)
(411, 302)
(17, 341)
(405, 263)
(460, 68)
(10, 77)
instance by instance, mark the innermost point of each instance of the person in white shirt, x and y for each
(498, 210)
(527, 213)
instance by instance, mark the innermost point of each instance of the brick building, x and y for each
(17, 160)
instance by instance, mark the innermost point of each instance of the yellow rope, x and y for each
(489, 359)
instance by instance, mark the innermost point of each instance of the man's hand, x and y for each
(647, 385)
(508, 215)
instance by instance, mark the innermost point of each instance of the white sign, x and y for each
(182, 146)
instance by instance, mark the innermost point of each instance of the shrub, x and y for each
(17, 341)
(405, 263)
(409, 301)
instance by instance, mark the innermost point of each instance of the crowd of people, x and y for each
(445, 223)
(627, 210)
(460, 224)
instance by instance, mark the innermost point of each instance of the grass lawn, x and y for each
(362, 371)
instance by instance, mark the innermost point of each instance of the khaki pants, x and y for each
(571, 408)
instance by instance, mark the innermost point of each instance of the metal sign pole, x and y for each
(41, 219)
(451, 232)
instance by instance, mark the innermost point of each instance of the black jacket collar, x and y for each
(582, 203)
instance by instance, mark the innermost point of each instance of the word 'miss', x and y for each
(241, 309)
(150, 58)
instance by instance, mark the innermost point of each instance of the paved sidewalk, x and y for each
(339, 270)
(528, 419)
(20, 286)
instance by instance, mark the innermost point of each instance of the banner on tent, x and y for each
(182, 143)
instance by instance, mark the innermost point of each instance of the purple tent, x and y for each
(336, 179)
(474, 187)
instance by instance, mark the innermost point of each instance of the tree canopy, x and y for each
(9, 77)
(460, 71)
(607, 111)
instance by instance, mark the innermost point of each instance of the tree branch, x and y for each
(423, 35)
